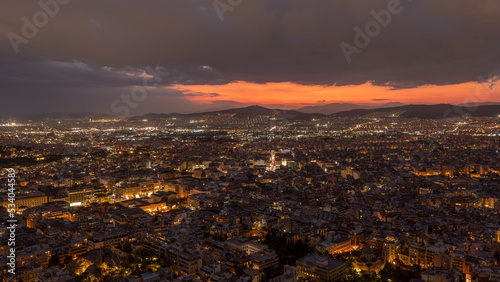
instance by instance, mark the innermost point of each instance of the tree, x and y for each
(273, 271)
(67, 260)
(351, 273)
(387, 272)
(54, 260)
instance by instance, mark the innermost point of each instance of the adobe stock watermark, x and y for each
(49, 9)
(482, 93)
(138, 94)
(372, 29)
(222, 6)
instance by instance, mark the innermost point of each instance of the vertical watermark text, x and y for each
(11, 209)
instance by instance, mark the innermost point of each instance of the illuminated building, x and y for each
(316, 267)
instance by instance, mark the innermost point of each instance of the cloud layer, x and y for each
(95, 49)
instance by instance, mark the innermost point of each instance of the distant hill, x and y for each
(489, 109)
(332, 108)
(246, 112)
(59, 116)
(426, 111)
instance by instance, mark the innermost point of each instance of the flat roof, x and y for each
(318, 261)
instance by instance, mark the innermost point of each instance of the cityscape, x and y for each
(250, 141)
(254, 197)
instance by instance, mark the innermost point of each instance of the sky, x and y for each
(134, 57)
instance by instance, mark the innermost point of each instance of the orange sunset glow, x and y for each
(295, 94)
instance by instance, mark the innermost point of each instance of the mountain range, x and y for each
(246, 112)
(427, 111)
(438, 111)
(488, 109)
(332, 108)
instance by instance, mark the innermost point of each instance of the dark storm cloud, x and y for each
(79, 74)
(102, 43)
(198, 94)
